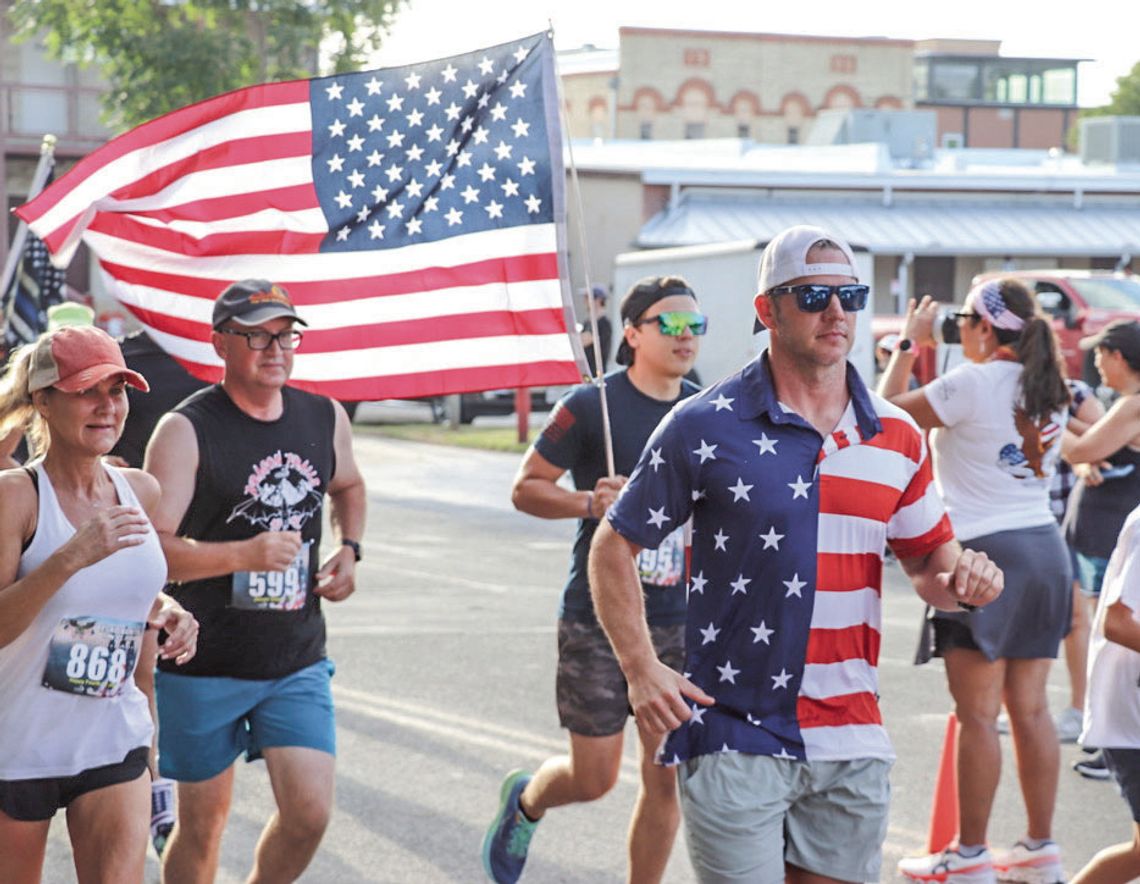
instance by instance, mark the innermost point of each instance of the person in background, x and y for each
(996, 423)
(595, 300)
(1112, 712)
(1107, 458)
(661, 329)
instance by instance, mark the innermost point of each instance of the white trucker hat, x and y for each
(785, 257)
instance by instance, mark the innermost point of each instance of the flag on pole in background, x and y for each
(36, 284)
(415, 215)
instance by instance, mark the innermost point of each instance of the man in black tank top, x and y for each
(246, 466)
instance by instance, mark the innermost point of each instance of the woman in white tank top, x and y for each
(81, 571)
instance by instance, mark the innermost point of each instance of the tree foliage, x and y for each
(158, 55)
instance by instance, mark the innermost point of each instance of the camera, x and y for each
(945, 329)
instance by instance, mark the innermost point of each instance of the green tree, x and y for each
(1125, 101)
(158, 55)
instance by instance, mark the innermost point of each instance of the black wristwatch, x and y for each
(353, 545)
(905, 344)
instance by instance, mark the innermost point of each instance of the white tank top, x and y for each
(68, 701)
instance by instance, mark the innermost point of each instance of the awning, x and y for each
(935, 227)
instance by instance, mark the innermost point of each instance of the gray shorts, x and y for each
(748, 815)
(591, 691)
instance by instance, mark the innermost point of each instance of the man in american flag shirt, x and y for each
(795, 476)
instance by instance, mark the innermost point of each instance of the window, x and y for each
(696, 58)
(743, 130)
(694, 130)
(843, 64)
(646, 132)
(954, 81)
(793, 135)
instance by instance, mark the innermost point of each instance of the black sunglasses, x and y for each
(964, 315)
(813, 298)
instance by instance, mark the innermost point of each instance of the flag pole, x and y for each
(599, 379)
(39, 179)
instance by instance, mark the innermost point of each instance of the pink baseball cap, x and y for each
(74, 358)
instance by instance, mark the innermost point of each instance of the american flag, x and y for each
(413, 213)
(789, 528)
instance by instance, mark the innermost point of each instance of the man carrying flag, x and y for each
(660, 343)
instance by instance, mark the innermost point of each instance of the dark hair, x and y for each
(1132, 360)
(1043, 387)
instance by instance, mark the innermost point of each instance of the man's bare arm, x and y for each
(949, 577)
(656, 693)
(172, 458)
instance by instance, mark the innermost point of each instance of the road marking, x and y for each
(386, 629)
(461, 728)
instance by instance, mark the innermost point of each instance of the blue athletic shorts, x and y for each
(207, 722)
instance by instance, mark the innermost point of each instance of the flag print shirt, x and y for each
(789, 528)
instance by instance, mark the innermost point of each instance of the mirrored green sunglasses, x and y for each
(675, 323)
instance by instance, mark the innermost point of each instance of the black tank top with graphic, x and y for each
(256, 476)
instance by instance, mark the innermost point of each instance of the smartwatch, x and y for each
(353, 545)
(905, 345)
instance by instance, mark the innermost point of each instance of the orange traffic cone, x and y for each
(944, 807)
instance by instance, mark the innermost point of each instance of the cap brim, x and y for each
(1091, 342)
(93, 374)
(264, 314)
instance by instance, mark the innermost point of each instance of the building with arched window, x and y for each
(678, 84)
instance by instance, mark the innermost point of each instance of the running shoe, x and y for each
(1069, 724)
(1041, 865)
(1093, 767)
(1003, 724)
(508, 838)
(949, 866)
(161, 812)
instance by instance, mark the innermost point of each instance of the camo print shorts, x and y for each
(590, 687)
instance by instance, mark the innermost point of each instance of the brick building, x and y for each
(770, 88)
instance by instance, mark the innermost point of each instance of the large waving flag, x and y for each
(415, 214)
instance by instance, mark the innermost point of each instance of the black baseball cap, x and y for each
(1122, 335)
(253, 301)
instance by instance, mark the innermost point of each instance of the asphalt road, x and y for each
(445, 665)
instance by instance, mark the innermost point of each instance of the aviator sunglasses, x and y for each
(674, 322)
(814, 298)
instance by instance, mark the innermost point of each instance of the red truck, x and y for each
(1081, 302)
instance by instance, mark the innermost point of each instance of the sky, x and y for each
(1089, 29)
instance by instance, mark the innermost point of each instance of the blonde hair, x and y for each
(17, 411)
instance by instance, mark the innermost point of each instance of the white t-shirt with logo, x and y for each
(992, 464)
(1112, 702)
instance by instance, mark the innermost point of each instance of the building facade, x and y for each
(770, 88)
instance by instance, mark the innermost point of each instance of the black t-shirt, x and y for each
(1095, 515)
(169, 383)
(256, 476)
(605, 338)
(572, 439)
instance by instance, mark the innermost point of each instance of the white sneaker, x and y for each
(1003, 724)
(951, 867)
(1069, 724)
(1040, 866)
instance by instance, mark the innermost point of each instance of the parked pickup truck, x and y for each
(1081, 302)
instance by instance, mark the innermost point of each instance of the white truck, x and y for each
(723, 276)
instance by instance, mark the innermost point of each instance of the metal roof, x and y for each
(939, 227)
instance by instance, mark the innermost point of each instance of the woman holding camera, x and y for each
(997, 422)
